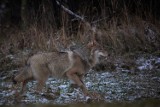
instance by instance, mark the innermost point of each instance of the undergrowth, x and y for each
(121, 33)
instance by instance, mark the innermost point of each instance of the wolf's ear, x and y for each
(92, 44)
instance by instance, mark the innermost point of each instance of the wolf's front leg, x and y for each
(72, 75)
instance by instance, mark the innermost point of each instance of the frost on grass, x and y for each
(113, 86)
(148, 63)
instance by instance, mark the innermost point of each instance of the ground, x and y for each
(121, 85)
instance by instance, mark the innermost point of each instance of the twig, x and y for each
(105, 18)
(69, 11)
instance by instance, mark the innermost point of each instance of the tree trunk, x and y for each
(24, 14)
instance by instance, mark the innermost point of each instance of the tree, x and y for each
(24, 14)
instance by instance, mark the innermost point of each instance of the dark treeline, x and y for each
(16, 11)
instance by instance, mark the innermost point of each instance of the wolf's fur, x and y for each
(71, 64)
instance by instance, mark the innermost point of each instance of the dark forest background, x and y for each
(36, 23)
(12, 11)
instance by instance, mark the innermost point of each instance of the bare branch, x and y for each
(69, 11)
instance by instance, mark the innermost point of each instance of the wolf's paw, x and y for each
(94, 97)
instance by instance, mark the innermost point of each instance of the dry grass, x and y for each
(136, 36)
(122, 33)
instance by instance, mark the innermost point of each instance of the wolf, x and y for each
(73, 64)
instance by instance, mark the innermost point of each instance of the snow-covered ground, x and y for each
(112, 86)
